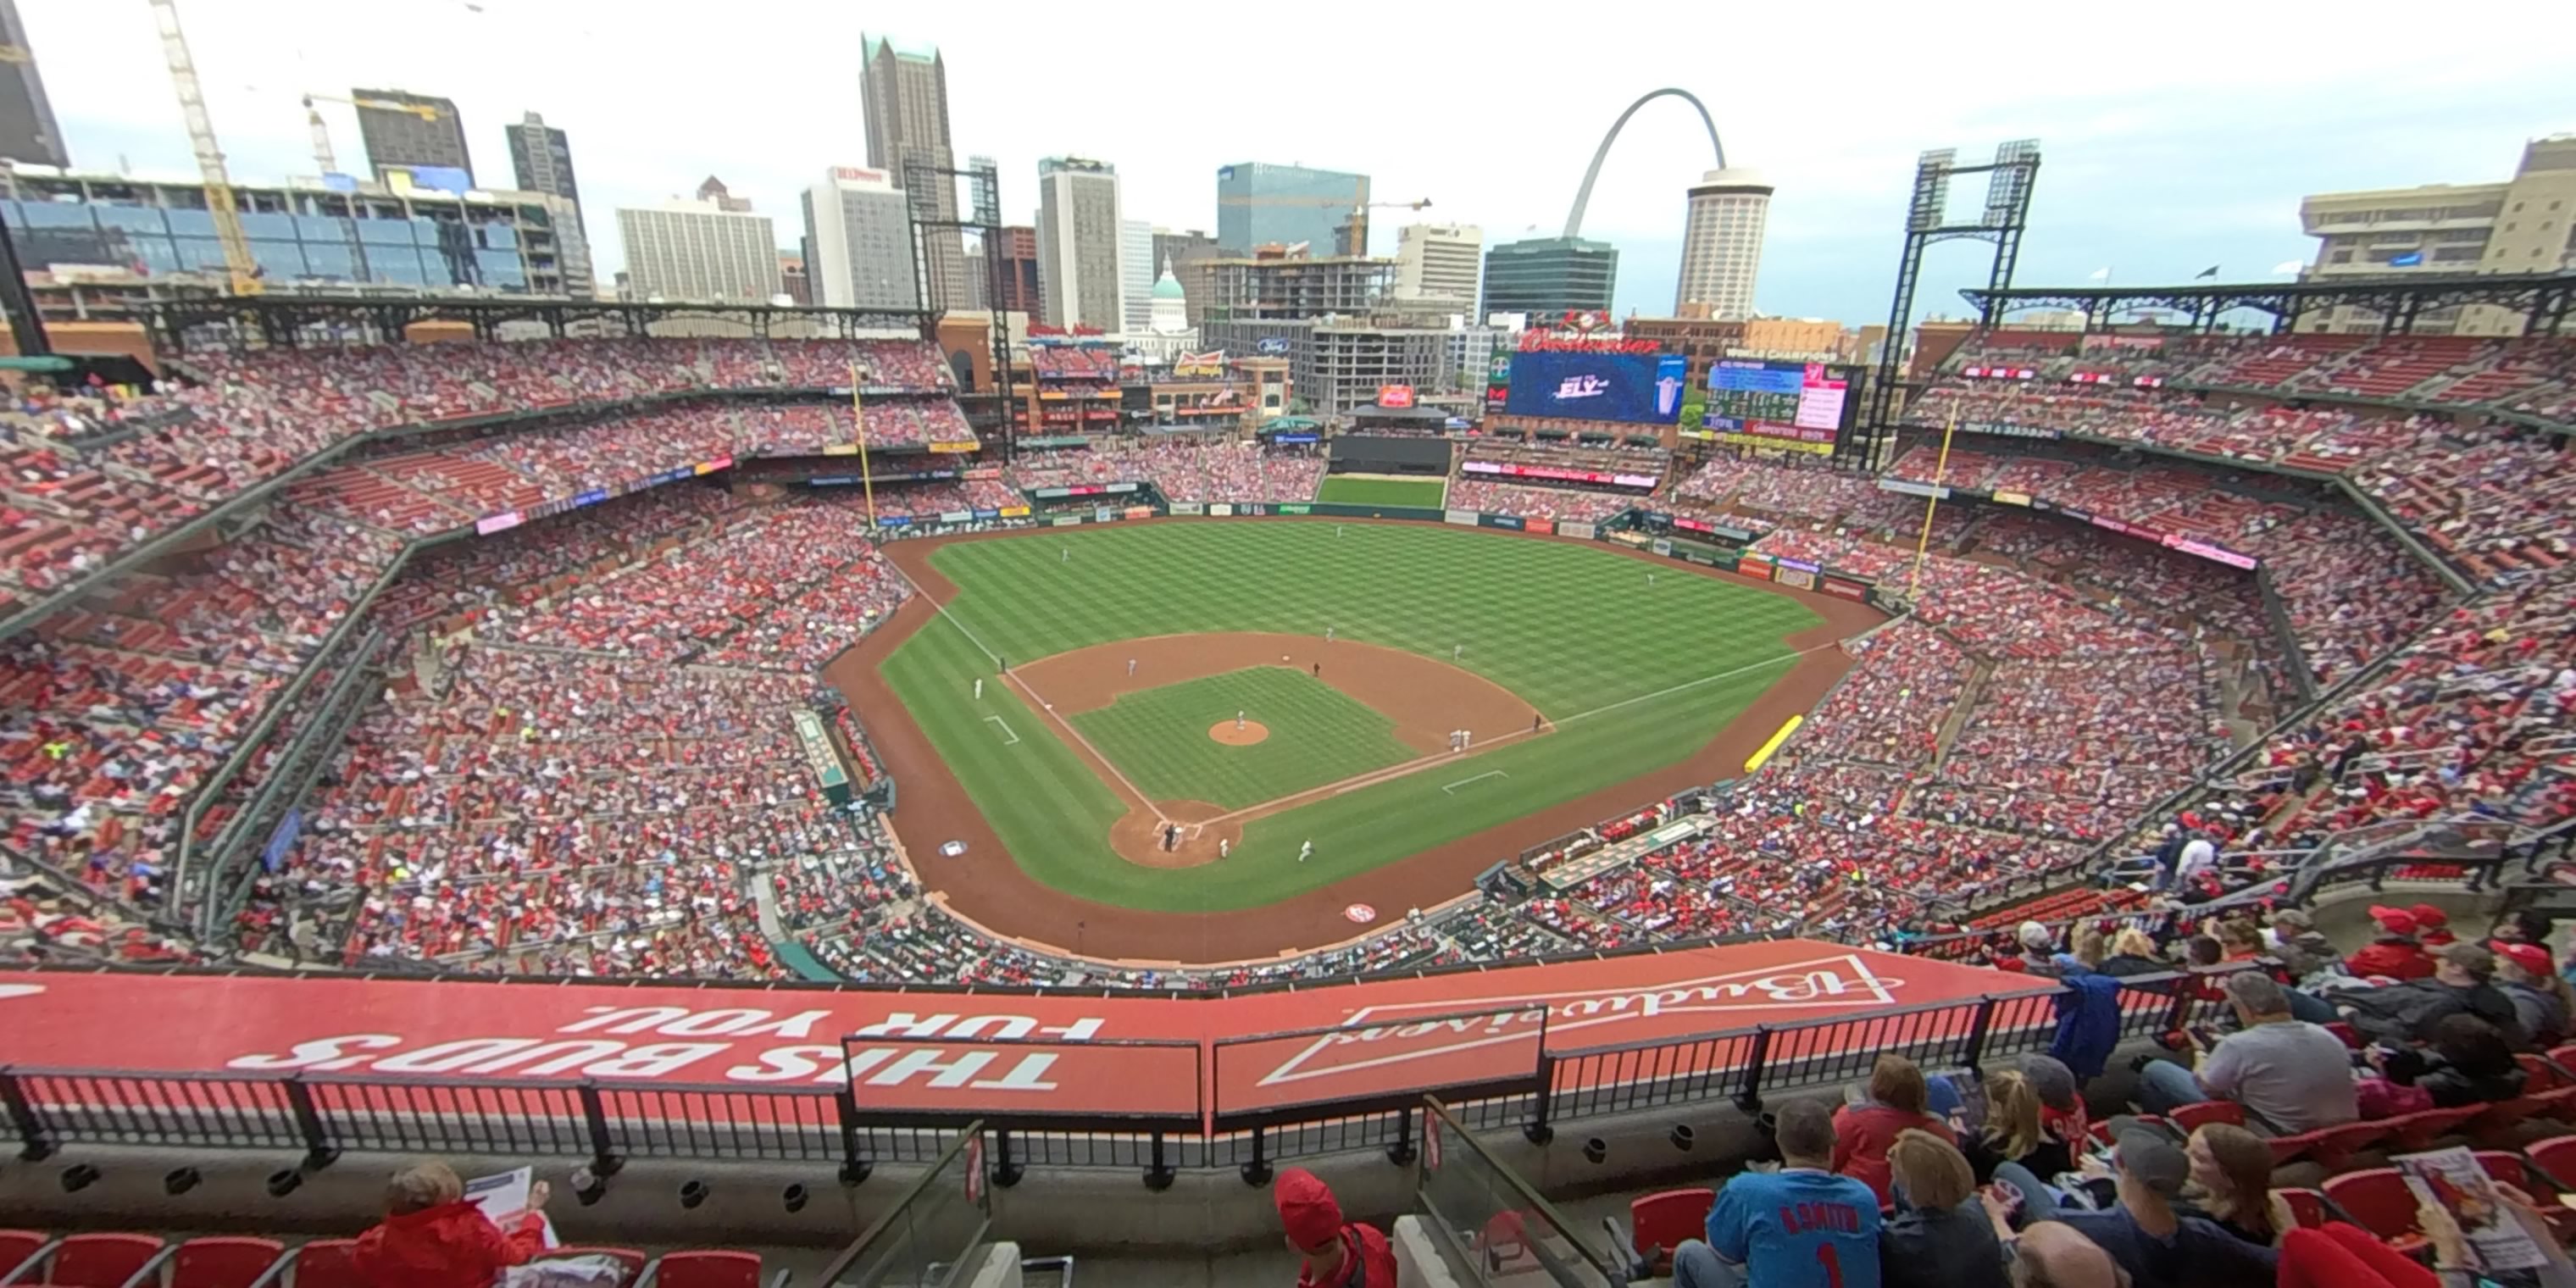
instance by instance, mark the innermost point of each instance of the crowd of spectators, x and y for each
(1489, 497)
(1182, 467)
(85, 476)
(702, 594)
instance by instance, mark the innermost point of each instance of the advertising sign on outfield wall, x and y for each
(1188, 507)
(1540, 525)
(1510, 521)
(1579, 531)
(1463, 518)
(1067, 520)
(1015, 512)
(1788, 576)
(1220, 509)
(1848, 590)
(1662, 547)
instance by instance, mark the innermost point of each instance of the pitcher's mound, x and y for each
(1228, 734)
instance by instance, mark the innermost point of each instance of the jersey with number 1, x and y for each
(1798, 1229)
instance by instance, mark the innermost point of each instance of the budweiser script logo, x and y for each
(1377, 1036)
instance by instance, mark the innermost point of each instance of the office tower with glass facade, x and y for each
(301, 234)
(1550, 277)
(1260, 204)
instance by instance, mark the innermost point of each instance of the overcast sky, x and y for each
(2175, 136)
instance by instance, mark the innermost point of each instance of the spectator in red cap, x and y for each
(1338, 1254)
(2432, 926)
(2541, 998)
(2396, 953)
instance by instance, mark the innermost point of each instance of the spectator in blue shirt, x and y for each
(1799, 1227)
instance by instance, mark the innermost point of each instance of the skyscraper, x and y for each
(696, 250)
(1722, 248)
(859, 232)
(1548, 277)
(1136, 270)
(425, 131)
(1439, 262)
(903, 92)
(541, 160)
(1080, 243)
(27, 129)
(1258, 204)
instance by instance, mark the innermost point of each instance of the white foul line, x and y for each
(1490, 773)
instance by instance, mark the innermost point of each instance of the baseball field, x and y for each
(1171, 714)
(1420, 493)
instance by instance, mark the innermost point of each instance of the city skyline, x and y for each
(2160, 177)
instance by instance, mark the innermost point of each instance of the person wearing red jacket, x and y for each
(1339, 1254)
(2395, 953)
(432, 1238)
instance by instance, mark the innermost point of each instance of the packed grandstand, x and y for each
(2326, 621)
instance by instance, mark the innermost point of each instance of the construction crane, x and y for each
(322, 154)
(210, 158)
(1354, 230)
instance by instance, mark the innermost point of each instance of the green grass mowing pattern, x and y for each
(1570, 628)
(1421, 493)
(1159, 737)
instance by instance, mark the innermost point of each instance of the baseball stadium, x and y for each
(707, 744)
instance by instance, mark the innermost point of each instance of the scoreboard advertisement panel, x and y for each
(1788, 405)
(1637, 388)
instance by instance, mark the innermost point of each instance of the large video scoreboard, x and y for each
(1781, 404)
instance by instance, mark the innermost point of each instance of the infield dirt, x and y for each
(987, 887)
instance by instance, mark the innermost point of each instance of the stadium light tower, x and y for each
(2006, 213)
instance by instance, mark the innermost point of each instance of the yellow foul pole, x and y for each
(1940, 472)
(859, 425)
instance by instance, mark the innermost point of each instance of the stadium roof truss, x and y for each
(289, 320)
(2544, 299)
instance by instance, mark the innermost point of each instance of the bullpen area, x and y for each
(1207, 740)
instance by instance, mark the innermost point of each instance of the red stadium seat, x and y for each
(327, 1263)
(2191, 1118)
(2378, 1201)
(633, 1260)
(2350, 1035)
(101, 1260)
(2514, 1170)
(2418, 1130)
(2541, 1074)
(2308, 1209)
(222, 1262)
(2556, 1159)
(1659, 1222)
(705, 1269)
(2563, 1055)
(17, 1248)
(2329, 1147)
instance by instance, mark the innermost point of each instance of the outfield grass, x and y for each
(1421, 493)
(1318, 735)
(1636, 677)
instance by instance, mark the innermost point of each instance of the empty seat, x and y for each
(1658, 1223)
(224, 1262)
(633, 1260)
(96, 1261)
(327, 1263)
(2379, 1201)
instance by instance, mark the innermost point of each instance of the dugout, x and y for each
(1365, 453)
